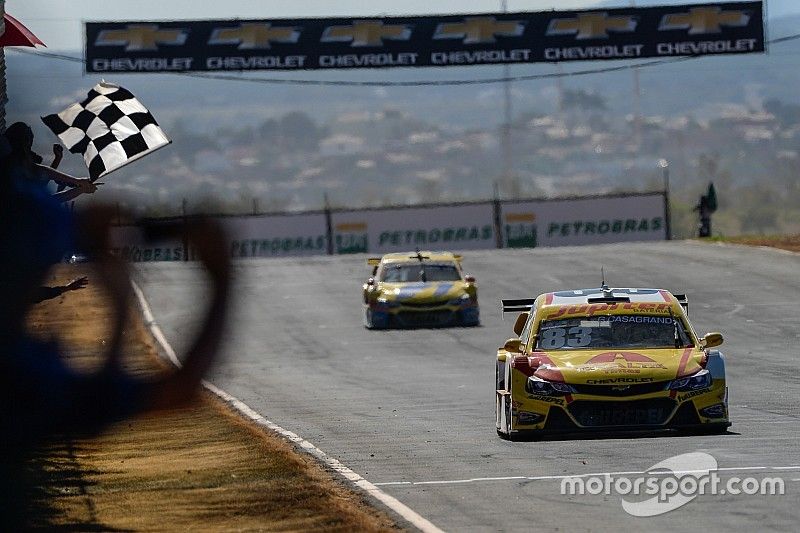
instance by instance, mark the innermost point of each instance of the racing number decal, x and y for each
(557, 338)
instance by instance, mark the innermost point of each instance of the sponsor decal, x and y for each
(603, 227)
(692, 394)
(619, 363)
(612, 357)
(368, 60)
(639, 319)
(253, 36)
(436, 235)
(738, 46)
(479, 30)
(351, 238)
(278, 246)
(481, 57)
(591, 25)
(591, 309)
(519, 230)
(610, 381)
(704, 20)
(141, 37)
(366, 33)
(137, 254)
(549, 399)
(254, 62)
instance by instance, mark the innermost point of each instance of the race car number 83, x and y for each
(556, 338)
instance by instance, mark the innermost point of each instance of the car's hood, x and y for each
(605, 367)
(434, 291)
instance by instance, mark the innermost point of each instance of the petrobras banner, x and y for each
(469, 226)
(129, 243)
(250, 236)
(378, 231)
(277, 235)
(583, 221)
(441, 40)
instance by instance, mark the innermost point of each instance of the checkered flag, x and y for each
(110, 128)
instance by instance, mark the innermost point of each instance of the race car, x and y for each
(607, 360)
(419, 289)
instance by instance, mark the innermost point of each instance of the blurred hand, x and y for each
(86, 185)
(76, 284)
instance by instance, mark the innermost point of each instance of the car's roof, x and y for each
(619, 301)
(585, 296)
(411, 257)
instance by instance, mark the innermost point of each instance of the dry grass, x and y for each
(199, 468)
(785, 242)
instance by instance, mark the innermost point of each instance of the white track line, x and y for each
(415, 519)
(571, 476)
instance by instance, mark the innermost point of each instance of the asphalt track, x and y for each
(413, 411)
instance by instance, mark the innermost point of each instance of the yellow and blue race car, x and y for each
(419, 289)
(607, 360)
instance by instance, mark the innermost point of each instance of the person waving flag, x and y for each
(110, 128)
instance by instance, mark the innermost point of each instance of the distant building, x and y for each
(341, 144)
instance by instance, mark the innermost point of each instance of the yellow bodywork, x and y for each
(419, 303)
(608, 388)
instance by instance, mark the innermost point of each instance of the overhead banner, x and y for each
(459, 227)
(446, 40)
(573, 222)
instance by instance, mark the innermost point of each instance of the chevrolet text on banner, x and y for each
(446, 40)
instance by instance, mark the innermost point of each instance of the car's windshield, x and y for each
(614, 331)
(402, 272)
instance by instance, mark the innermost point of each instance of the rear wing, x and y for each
(373, 261)
(519, 305)
(684, 301)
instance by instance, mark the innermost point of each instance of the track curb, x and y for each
(249, 414)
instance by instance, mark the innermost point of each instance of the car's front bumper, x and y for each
(422, 315)
(696, 410)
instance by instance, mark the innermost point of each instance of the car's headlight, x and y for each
(384, 302)
(701, 380)
(461, 300)
(543, 387)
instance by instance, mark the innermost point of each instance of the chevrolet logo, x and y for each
(479, 30)
(366, 33)
(704, 20)
(592, 25)
(141, 37)
(254, 36)
(620, 388)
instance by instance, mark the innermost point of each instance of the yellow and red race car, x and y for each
(606, 360)
(419, 289)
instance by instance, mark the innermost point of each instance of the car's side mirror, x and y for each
(513, 346)
(371, 281)
(519, 325)
(469, 279)
(712, 339)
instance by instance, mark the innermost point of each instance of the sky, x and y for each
(59, 22)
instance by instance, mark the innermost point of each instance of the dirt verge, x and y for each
(200, 468)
